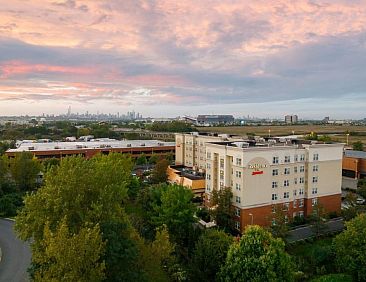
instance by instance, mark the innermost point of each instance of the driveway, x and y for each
(16, 255)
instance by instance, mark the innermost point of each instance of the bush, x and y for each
(10, 203)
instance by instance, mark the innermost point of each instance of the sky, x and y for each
(172, 58)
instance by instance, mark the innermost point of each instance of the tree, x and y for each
(221, 210)
(176, 211)
(317, 219)
(258, 256)
(153, 159)
(350, 248)
(24, 169)
(4, 170)
(209, 255)
(159, 173)
(357, 146)
(279, 227)
(141, 160)
(69, 256)
(81, 193)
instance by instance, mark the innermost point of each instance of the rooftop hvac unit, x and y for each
(142, 144)
(31, 148)
(128, 145)
(57, 147)
(160, 144)
(79, 146)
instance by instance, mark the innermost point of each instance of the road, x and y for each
(16, 255)
(302, 233)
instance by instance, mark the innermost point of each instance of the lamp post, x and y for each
(269, 133)
(251, 215)
(347, 138)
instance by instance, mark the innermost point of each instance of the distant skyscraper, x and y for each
(291, 119)
(69, 111)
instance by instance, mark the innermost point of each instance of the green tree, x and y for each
(350, 248)
(153, 159)
(141, 160)
(82, 193)
(24, 169)
(221, 209)
(279, 226)
(176, 211)
(357, 146)
(257, 257)
(318, 219)
(69, 256)
(4, 170)
(209, 255)
(159, 173)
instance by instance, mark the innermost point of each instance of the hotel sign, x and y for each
(257, 168)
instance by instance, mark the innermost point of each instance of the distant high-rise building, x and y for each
(291, 119)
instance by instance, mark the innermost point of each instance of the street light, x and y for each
(347, 138)
(251, 215)
(269, 133)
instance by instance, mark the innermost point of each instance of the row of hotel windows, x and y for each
(275, 160)
(286, 183)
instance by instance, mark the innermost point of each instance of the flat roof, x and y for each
(96, 144)
(355, 154)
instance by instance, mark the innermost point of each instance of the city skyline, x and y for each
(164, 58)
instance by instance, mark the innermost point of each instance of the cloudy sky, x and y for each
(265, 58)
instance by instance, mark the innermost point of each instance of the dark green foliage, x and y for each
(204, 214)
(350, 248)
(141, 160)
(221, 210)
(49, 163)
(159, 172)
(134, 187)
(121, 253)
(334, 278)
(10, 203)
(357, 146)
(257, 257)
(174, 126)
(209, 255)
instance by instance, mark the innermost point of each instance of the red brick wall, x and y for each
(331, 203)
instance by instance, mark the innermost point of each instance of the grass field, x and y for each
(337, 132)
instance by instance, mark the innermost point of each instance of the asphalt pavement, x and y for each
(16, 255)
(302, 233)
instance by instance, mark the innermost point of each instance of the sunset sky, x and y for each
(169, 58)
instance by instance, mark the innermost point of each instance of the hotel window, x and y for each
(295, 169)
(314, 201)
(315, 179)
(294, 192)
(302, 168)
(238, 161)
(237, 212)
(221, 185)
(295, 203)
(286, 206)
(315, 157)
(208, 176)
(295, 158)
(301, 191)
(237, 186)
(287, 170)
(314, 191)
(275, 160)
(302, 157)
(274, 184)
(208, 155)
(295, 180)
(237, 225)
(232, 183)
(315, 168)
(273, 222)
(237, 199)
(287, 159)
(275, 172)
(302, 180)
(238, 173)
(286, 218)
(294, 214)
(286, 195)
(301, 214)
(286, 183)
(301, 203)
(208, 166)
(221, 163)
(274, 197)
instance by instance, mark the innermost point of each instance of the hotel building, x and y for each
(265, 175)
(190, 149)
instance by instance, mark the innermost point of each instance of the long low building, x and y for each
(45, 150)
(354, 164)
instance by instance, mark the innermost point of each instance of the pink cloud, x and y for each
(13, 68)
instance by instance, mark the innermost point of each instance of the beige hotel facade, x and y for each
(263, 175)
